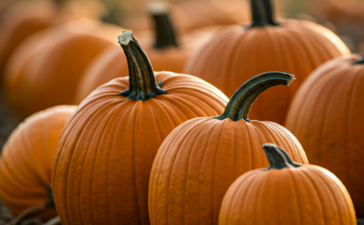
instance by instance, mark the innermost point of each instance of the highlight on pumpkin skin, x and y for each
(274, 194)
(242, 100)
(142, 83)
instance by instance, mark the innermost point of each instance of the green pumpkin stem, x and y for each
(242, 100)
(164, 31)
(277, 157)
(142, 83)
(262, 13)
(360, 61)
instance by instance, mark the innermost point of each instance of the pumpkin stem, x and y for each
(277, 157)
(242, 100)
(360, 61)
(31, 210)
(164, 31)
(142, 84)
(262, 13)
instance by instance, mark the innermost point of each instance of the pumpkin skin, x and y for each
(106, 151)
(327, 109)
(202, 157)
(46, 68)
(235, 54)
(27, 160)
(287, 193)
(164, 52)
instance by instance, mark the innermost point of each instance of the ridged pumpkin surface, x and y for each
(326, 115)
(106, 151)
(45, 70)
(304, 195)
(236, 53)
(201, 158)
(27, 159)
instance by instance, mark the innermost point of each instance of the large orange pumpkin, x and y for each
(327, 117)
(46, 68)
(27, 160)
(106, 151)
(287, 193)
(237, 53)
(166, 53)
(202, 157)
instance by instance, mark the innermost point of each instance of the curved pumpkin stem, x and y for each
(31, 210)
(164, 31)
(361, 61)
(53, 221)
(262, 13)
(242, 100)
(142, 84)
(277, 157)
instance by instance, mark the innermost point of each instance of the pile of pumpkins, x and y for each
(170, 147)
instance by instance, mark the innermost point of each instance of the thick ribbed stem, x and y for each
(164, 31)
(262, 13)
(277, 157)
(242, 100)
(142, 84)
(360, 61)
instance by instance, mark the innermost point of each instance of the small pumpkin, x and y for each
(106, 151)
(287, 193)
(27, 160)
(165, 52)
(326, 115)
(202, 157)
(236, 53)
(45, 70)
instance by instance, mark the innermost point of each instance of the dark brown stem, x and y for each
(142, 84)
(164, 31)
(277, 157)
(242, 100)
(262, 13)
(361, 61)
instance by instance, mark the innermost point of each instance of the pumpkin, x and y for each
(164, 52)
(18, 23)
(202, 157)
(27, 160)
(236, 53)
(106, 151)
(46, 68)
(287, 193)
(326, 115)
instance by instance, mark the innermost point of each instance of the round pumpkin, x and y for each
(46, 68)
(165, 52)
(27, 160)
(202, 157)
(326, 115)
(236, 53)
(287, 193)
(106, 151)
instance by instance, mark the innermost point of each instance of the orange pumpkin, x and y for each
(46, 68)
(237, 53)
(106, 151)
(165, 54)
(27, 160)
(287, 193)
(326, 115)
(202, 157)
(18, 23)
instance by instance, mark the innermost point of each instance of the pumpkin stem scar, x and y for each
(242, 100)
(164, 31)
(361, 61)
(31, 210)
(262, 13)
(142, 83)
(277, 157)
